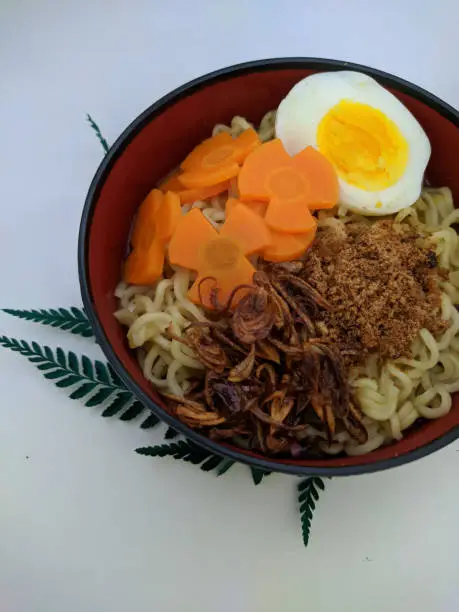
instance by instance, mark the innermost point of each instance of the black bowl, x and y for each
(153, 144)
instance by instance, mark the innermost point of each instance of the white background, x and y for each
(86, 525)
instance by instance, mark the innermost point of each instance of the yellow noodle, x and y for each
(424, 382)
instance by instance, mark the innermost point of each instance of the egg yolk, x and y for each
(365, 146)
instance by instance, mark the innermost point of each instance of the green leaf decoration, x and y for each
(170, 434)
(187, 451)
(72, 319)
(258, 475)
(96, 129)
(225, 466)
(151, 421)
(91, 381)
(133, 411)
(308, 495)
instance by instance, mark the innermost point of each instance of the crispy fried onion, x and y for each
(271, 377)
(253, 316)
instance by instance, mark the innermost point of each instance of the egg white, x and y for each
(299, 115)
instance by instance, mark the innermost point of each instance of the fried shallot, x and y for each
(271, 375)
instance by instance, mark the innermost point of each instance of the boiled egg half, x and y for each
(378, 149)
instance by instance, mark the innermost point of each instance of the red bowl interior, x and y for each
(155, 143)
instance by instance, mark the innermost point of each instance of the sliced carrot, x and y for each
(144, 265)
(247, 228)
(222, 142)
(257, 207)
(203, 193)
(324, 181)
(168, 215)
(171, 183)
(222, 259)
(144, 225)
(307, 180)
(233, 189)
(220, 150)
(285, 247)
(290, 216)
(245, 143)
(205, 178)
(192, 231)
(258, 167)
(198, 246)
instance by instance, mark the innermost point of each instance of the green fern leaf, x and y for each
(68, 381)
(133, 411)
(60, 357)
(102, 372)
(170, 434)
(100, 397)
(308, 495)
(186, 451)
(225, 466)
(151, 421)
(83, 390)
(73, 363)
(86, 364)
(119, 402)
(90, 381)
(258, 475)
(112, 376)
(96, 129)
(73, 320)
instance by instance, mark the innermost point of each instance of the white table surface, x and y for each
(87, 525)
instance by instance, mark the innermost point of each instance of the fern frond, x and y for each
(96, 129)
(170, 433)
(258, 475)
(225, 466)
(90, 381)
(73, 320)
(187, 451)
(308, 495)
(151, 421)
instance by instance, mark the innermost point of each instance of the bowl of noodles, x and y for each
(269, 258)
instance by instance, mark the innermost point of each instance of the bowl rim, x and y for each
(98, 181)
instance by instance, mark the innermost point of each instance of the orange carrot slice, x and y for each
(257, 207)
(221, 149)
(285, 247)
(291, 185)
(247, 228)
(233, 189)
(171, 183)
(144, 225)
(156, 221)
(196, 245)
(144, 265)
(213, 176)
(324, 181)
(289, 216)
(167, 216)
(210, 152)
(192, 195)
(258, 167)
(221, 259)
(245, 143)
(192, 231)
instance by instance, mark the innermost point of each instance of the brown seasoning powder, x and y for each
(382, 282)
